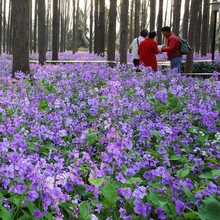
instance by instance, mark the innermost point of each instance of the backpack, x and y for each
(184, 46)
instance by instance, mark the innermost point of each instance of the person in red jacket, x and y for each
(148, 50)
(172, 47)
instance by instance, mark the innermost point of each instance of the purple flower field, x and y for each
(86, 141)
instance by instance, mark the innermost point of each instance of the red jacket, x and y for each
(172, 46)
(147, 51)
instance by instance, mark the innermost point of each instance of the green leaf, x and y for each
(206, 176)
(155, 133)
(188, 193)
(84, 211)
(134, 180)
(43, 105)
(183, 172)
(96, 182)
(216, 172)
(191, 216)
(182, 159)
(4, 213)
(110, 194)
(210, 210)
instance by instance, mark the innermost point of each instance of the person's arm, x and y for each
(171, 46)
(140, 48)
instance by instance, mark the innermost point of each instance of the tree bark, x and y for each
(186, 20)
(30, 26)
(205, 29)
(4, 26)
(137, 19)
(20, 15)
(112, 30)
(159, 21)
(124, 32)
(176, 16)
(41, 32)
(131, 22)
(91, 27)
(55, 40)
(193, 19)
(198, 29)
(35, 25)
(96, 14)
(144, 15)
(152, 14)
(101, 49)
(0, 26)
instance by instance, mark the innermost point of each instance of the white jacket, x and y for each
(134, 47)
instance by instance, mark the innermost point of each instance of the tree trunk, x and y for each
(77, 27)
(144, 15)
(74, 28)
(41, 32)
(124, 32)
(35, 25)
(48, 24)
(166, 12)
(186, 19)
(159, 21)
(91, 27)
(193, 19)
(96, 38)
(131, 22)
(55, 40)
(8, 29)
(30, 26)
(4, 26)
(198, 29)
(176, 17)
(137, 19)
(0, 26)
(112, 30)
(102, 28)
(62, 6)
(152, 14)
(211, 30)
(20, 15)
(205, 27)
(84, 25)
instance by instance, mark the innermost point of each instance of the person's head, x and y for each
(165, 31)
(144, 33)
(152, 34)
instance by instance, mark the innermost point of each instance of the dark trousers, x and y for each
(136, 62)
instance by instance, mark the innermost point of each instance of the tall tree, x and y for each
(101, 50)
(35, 25)
(0, 26)
(91, 27)
(30, 26)
(9, 30)
(176, 16)
(55, 39)
(205, 29)
(41, 32)
(74, 49)
(124, 31)
(112, 30)
(193, 19)
(96, 21)
(159, 21)
(4, 26)
(152, 14)
(185, 19)
(48, 19)
(137, 18)
(198, 29)
(144, 14)
(20, 15)
(131, 21)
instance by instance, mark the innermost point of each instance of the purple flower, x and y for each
(161, 214)
(99, 208)
(179, 206)
(32, 195)
(141, 209)
(37, 214)
(139, 193)
(120, 177)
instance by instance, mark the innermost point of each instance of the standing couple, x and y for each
(144, 49)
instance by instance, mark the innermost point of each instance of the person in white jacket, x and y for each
(134, 47)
